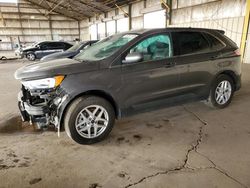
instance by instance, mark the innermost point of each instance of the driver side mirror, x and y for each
(133, 58)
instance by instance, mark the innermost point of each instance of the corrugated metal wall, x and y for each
(138, 10)
(31, 25)
(26, 24)
(227, 15)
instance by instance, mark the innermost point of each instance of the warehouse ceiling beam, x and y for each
(44, 14)
(54, 7)
(165, 5)
(125, 13)
(80, 9)
(77, 14)
(93, 6)
(62, 12)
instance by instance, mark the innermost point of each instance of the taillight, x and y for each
(237, 52)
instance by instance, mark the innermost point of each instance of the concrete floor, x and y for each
(184, 146)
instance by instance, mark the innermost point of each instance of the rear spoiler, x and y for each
(220, 31)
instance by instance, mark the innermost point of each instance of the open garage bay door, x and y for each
(101, 31)
(122, 25)
(155, 19)
(93, 32)
(111, 28)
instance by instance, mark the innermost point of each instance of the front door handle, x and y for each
(169, 65)
(213, 57)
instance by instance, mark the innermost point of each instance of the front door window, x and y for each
(153, 48)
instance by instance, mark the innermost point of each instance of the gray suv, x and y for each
(127, 73)
(41, 49)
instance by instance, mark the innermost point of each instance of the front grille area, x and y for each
(31, 99)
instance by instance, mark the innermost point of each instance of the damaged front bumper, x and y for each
(41, 107)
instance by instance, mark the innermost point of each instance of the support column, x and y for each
(79, 29)
(50, 28)
(245, 30)
(130, 16)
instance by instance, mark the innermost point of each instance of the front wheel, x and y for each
(221, 92)
(31, 56)
(89, 119)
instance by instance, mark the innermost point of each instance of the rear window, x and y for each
(215, 43)
(189, 43)
(66, 45)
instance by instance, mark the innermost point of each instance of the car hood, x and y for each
(59, 55)
(29, 48)
(54, 67)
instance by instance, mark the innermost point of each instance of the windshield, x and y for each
(105, 48)
(75, 47)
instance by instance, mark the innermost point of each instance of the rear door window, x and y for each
(190, 43)
(58, 45)
(50, 46)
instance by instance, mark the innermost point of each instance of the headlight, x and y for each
(46, 83)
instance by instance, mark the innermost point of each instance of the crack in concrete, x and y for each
(194, 148)
(183, 166)
(215, 167)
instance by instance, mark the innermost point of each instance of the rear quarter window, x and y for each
(216, 44)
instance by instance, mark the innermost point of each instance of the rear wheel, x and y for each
(89, 119)
(31, 56)
(221, 92)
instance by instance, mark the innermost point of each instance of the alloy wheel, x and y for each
(223, 92)
(92, 121)
(31, 57)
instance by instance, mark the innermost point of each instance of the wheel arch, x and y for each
(229, 73)
(30, 52)
(98, 93)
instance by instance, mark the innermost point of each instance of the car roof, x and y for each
(85, 41)
(53, 41)
(144, 31)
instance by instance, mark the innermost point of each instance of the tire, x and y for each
(215, 99)
(77, 114)
(31, 56)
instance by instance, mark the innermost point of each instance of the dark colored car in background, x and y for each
(127, 73)
(41, 49)
(71, 52)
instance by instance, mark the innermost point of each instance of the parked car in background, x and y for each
(127, 73)
(71, 52)
(41, 49)
(18, 50)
